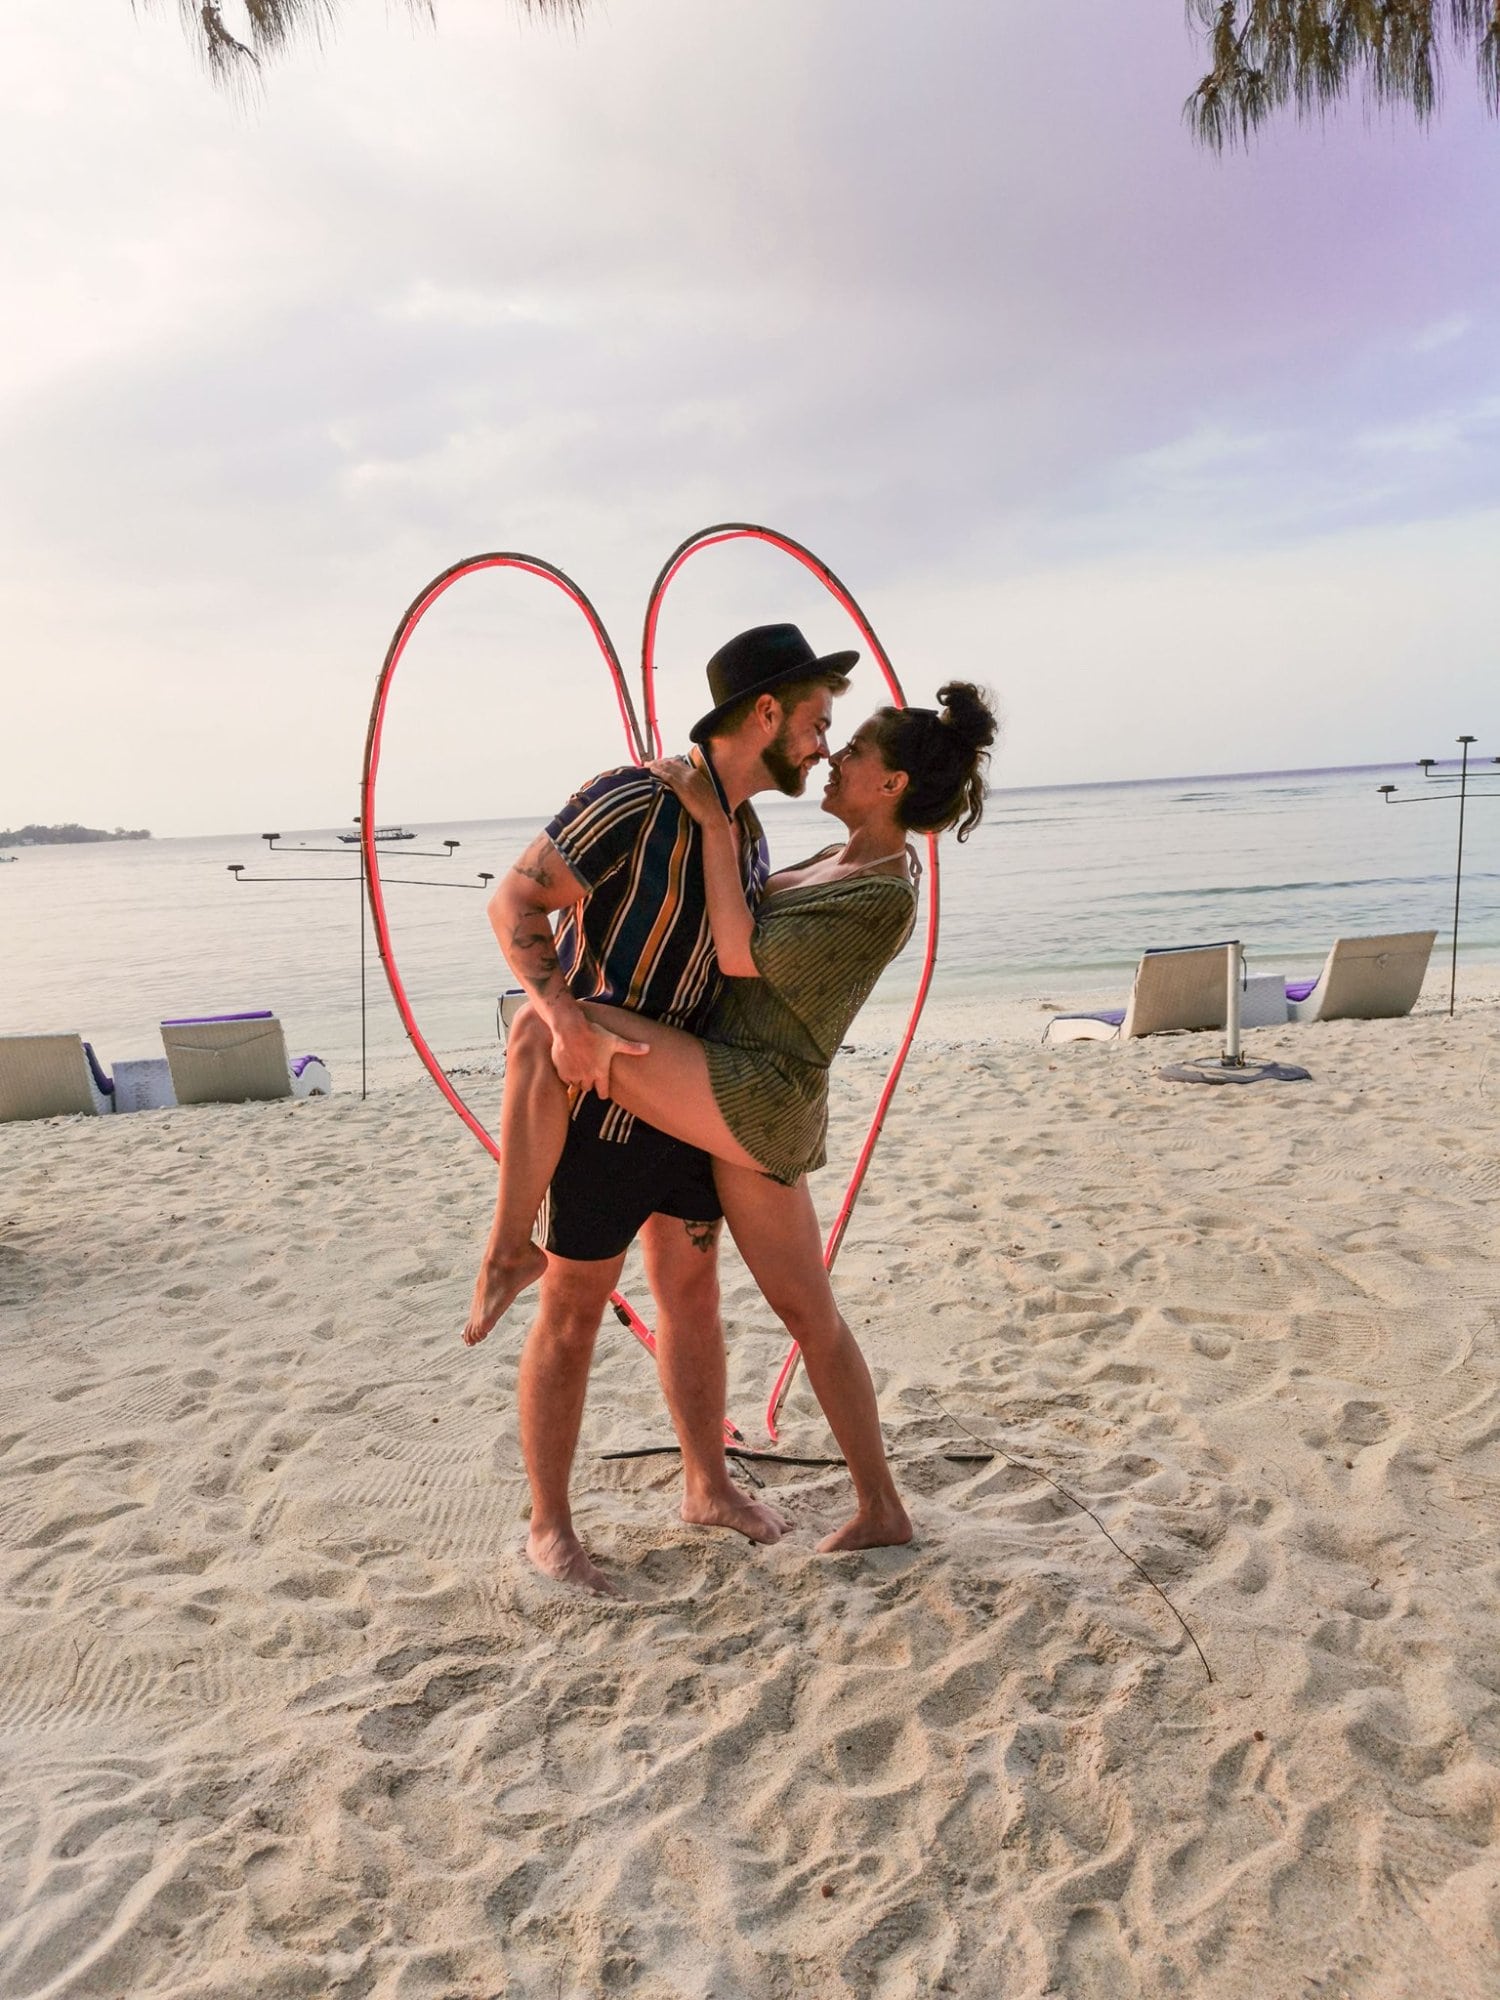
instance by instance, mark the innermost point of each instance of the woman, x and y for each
(754, 1092)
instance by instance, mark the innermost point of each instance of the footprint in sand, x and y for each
(1093, 1963)
(878, 1756)
(1362, 1423)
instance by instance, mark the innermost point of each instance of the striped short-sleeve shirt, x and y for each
(641, 938)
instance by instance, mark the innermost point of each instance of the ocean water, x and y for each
(1054, 898)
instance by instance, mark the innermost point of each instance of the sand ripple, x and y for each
(283, 1713)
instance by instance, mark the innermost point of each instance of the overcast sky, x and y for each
(1196, 461)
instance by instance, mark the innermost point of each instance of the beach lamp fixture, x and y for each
(1458, 873)
(237, 870)
(1444, 783)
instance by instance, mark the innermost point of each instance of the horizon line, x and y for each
(777, 804)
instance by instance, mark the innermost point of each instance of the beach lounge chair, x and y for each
(50, 1076)
(1179, 986)
(1364, 979)
(232, 1058)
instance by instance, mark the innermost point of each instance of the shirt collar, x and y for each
(745, 817)
(715, 780)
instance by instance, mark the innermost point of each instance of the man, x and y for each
(623, 861)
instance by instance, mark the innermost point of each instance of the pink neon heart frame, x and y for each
(640, 745)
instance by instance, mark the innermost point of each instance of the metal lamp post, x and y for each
(1431, 773)
(272, 840)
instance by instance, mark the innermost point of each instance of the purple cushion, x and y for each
(102, 1082)
(202, 1020)
(1298, 989)
(299, 1063)
(1115, 1016)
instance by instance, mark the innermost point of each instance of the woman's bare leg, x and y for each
(668, 1087)
(777, 1234)
(533, 1131)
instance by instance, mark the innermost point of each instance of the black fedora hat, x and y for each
(758, 662)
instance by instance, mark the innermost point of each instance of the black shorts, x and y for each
(604, 1189)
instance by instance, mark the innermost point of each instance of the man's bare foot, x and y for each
(500, 1282)
(871, 1528)
(735, 1510)
(564, 1558)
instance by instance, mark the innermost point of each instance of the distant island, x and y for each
(62, 836)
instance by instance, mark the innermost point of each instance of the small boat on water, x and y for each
(381, 833)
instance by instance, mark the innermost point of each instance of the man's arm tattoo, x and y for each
(536, 864)
(534, 953)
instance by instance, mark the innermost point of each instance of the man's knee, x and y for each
(695, 1304)
(693, 1289)
(528, 1032)
(572, 1300)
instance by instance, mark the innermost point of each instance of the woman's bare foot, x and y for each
(735, 1510)
(500, 1283)
(886, 1527)
(564, 1558)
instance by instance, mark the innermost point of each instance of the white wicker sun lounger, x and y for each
(1180, 986)
(1364, 979)
(234, 1058)
(51, 1076)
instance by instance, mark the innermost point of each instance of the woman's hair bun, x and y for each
(967, 712)
(944, 758)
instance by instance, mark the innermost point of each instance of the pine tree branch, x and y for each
(237, 38)
(1310, 54)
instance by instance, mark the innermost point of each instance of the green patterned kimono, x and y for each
(769, 1041)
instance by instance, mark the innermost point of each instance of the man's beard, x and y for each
(786, 776)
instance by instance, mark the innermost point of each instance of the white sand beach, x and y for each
(284, 1713)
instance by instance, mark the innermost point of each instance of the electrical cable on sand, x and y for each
(1039, 1472)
